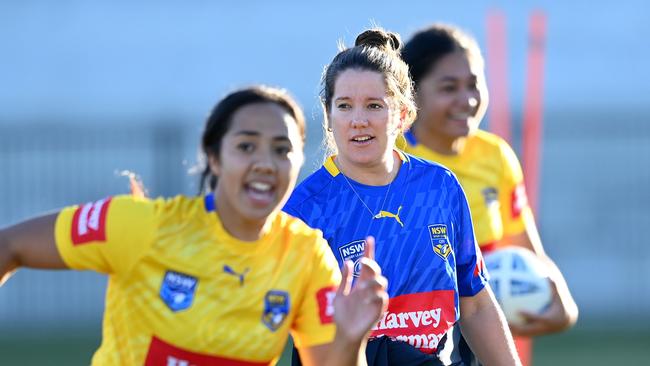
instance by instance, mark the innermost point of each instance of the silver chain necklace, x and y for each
(381, 208)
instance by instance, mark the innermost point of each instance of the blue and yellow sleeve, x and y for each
(471, 272)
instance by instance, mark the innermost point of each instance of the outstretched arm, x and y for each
(485, 329)
(29, 244)
(356, 310)
(563, 311)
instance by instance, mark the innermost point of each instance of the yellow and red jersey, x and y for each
(182, 291)
(491, 176)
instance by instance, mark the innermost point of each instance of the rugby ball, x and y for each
(520, 281)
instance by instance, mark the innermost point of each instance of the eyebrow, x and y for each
(453, 78)
(370, 98)
(256, 134)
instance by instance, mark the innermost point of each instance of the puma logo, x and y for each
(395, 216)
(227, 269)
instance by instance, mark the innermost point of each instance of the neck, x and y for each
(241, 228)
(437, 142)
(378, 174)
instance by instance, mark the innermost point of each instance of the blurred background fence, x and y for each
(87, 91)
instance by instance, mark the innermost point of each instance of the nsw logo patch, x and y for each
(353, 251)
(177, 290)
(276, 309)
(440, 240)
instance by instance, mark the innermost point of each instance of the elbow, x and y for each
(8, 259)
(571, 317)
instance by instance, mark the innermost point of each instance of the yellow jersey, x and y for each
(491, 176)
(182, 291)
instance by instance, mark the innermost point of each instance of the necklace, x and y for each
(381, 208)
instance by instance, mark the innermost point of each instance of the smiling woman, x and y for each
(218, 279)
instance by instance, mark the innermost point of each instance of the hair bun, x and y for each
(379, 38)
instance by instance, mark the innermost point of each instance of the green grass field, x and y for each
(577, 347)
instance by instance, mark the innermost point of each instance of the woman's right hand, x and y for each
(359, 306)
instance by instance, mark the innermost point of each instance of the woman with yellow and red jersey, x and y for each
(448, 72)
(218, 279)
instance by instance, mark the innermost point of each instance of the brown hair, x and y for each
(427, 46)
(374, 50)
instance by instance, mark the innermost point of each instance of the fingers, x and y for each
(535, 324)
(369, 249)
(529, 329)
(346, 279)
(369, 269)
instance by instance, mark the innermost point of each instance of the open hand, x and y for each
(358, 308)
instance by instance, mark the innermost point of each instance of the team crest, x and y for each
(353, 251)
(442, 250)
(276, 309)
(177, 290)
(440, 240)
(490, 195)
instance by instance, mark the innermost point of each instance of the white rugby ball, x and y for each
(520, 281)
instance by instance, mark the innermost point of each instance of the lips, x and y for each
(362, 139)
(260, 193)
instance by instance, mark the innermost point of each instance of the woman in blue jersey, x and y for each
(447, 69)
(219, 279)
(415, 210)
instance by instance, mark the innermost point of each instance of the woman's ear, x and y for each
(404, 112)
(213, 162)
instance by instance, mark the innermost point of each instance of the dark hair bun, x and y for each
(379, 38)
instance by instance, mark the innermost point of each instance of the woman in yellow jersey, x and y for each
(447, 69)
(219, 279)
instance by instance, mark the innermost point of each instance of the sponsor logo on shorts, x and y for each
(177, 290)
(353, 251)
(89, 222)
(276, 309)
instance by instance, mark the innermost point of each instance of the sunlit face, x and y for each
(259, 161)
(364, 119)
(452, 97)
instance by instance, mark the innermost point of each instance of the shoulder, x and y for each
(488, 144)
(164, 209)
(427, 169)
(491, 147)
(310, 187)
(298, 233)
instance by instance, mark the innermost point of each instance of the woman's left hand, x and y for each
(553, 320)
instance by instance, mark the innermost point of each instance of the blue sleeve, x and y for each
(471, 274)
(291, 207)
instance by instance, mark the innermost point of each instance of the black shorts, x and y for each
(384, 351)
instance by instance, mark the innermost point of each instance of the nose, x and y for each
(359, 119)
(264, 163)
(469, 99)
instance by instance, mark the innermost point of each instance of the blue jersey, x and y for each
(424, 242)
